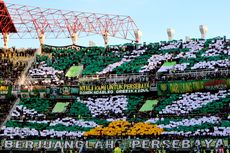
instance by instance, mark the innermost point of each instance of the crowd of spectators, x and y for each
(13, 62)
(5, 107)
(190, 102)
(191, 57)
(178, 115)
(204, 59)
(190, 114)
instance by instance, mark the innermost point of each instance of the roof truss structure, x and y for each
(30, 21)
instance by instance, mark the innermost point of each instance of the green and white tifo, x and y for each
(163, 96)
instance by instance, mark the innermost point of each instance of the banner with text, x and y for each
(179, 87)
(4, 90)
(109, 144)
(115, 88)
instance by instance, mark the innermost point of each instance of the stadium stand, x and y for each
(13, 62)
(199, 113)
(96, 93)
(192, 58)
(5, 106)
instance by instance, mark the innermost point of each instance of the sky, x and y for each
(152, 17)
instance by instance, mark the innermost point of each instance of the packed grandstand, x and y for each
(167, 96)
(162, 96)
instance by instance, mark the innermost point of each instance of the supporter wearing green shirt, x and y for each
(117, 148)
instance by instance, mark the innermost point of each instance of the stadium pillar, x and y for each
(106, 37)
(42, 40)
(42, 37)
(138, 35)
(171, 33)
(74, 38)
(6, 40)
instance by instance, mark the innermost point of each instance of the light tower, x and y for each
(203, 31)
(171, 33)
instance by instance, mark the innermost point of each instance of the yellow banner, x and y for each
(115, 88)
(4, 89)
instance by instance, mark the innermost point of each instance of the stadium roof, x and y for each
(29, 22)
(6, 22)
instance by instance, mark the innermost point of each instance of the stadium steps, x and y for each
(22, 78)
(11, 111)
